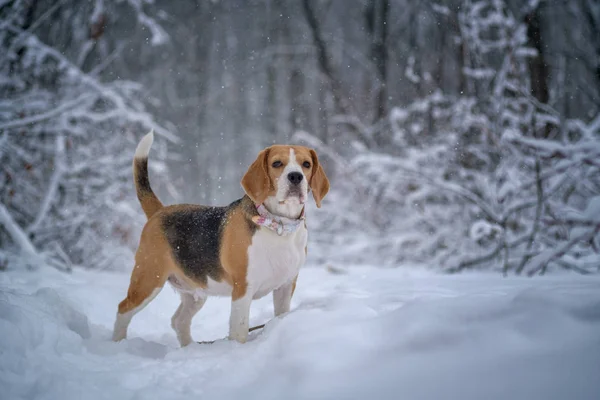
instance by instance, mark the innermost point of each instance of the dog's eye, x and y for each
(277, 164)
(306, 164)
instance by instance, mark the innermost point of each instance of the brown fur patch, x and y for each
(318, 182)
(237, 237)
(153, 265)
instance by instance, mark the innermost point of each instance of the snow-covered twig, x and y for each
(536, 221)
(540, 262)
(59, 169)
(80, 101)
(18, 235)
(479, 260)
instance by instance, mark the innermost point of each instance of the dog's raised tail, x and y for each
(150, 203)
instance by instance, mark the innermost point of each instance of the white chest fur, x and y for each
(274, 260)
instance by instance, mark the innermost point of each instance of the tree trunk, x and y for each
(376, 16)
(538, 69)
(324, 59)
(593, 18)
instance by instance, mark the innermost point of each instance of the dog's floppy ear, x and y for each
(256, 181)
(319, 184)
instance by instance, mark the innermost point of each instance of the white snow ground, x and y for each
(366, 334)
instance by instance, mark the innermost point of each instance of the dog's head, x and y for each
(286, 173)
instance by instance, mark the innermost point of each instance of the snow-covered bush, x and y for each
(66, 143)
(491, 178)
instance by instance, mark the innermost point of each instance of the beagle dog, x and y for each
(246, 250)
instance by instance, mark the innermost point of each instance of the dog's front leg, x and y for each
(282, 297)
(240, 315)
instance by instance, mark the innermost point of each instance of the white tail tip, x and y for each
(143, 147)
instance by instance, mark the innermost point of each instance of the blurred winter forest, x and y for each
(457, 134)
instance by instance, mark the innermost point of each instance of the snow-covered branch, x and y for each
(59, 169)
(17, 234)
(63, 132)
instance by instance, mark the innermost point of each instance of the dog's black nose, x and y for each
(295, 178)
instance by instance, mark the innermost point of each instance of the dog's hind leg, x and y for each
(145, 285)
(182, 319)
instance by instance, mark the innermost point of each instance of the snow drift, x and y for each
(361, 333)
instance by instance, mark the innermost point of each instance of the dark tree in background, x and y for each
(457, 133)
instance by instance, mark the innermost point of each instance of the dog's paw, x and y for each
(241, 337)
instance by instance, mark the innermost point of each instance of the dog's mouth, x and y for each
(294, 196)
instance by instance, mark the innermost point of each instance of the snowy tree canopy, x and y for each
(458, 134)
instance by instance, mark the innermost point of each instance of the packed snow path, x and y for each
(365, 334)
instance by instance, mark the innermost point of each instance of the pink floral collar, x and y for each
(281, 225)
